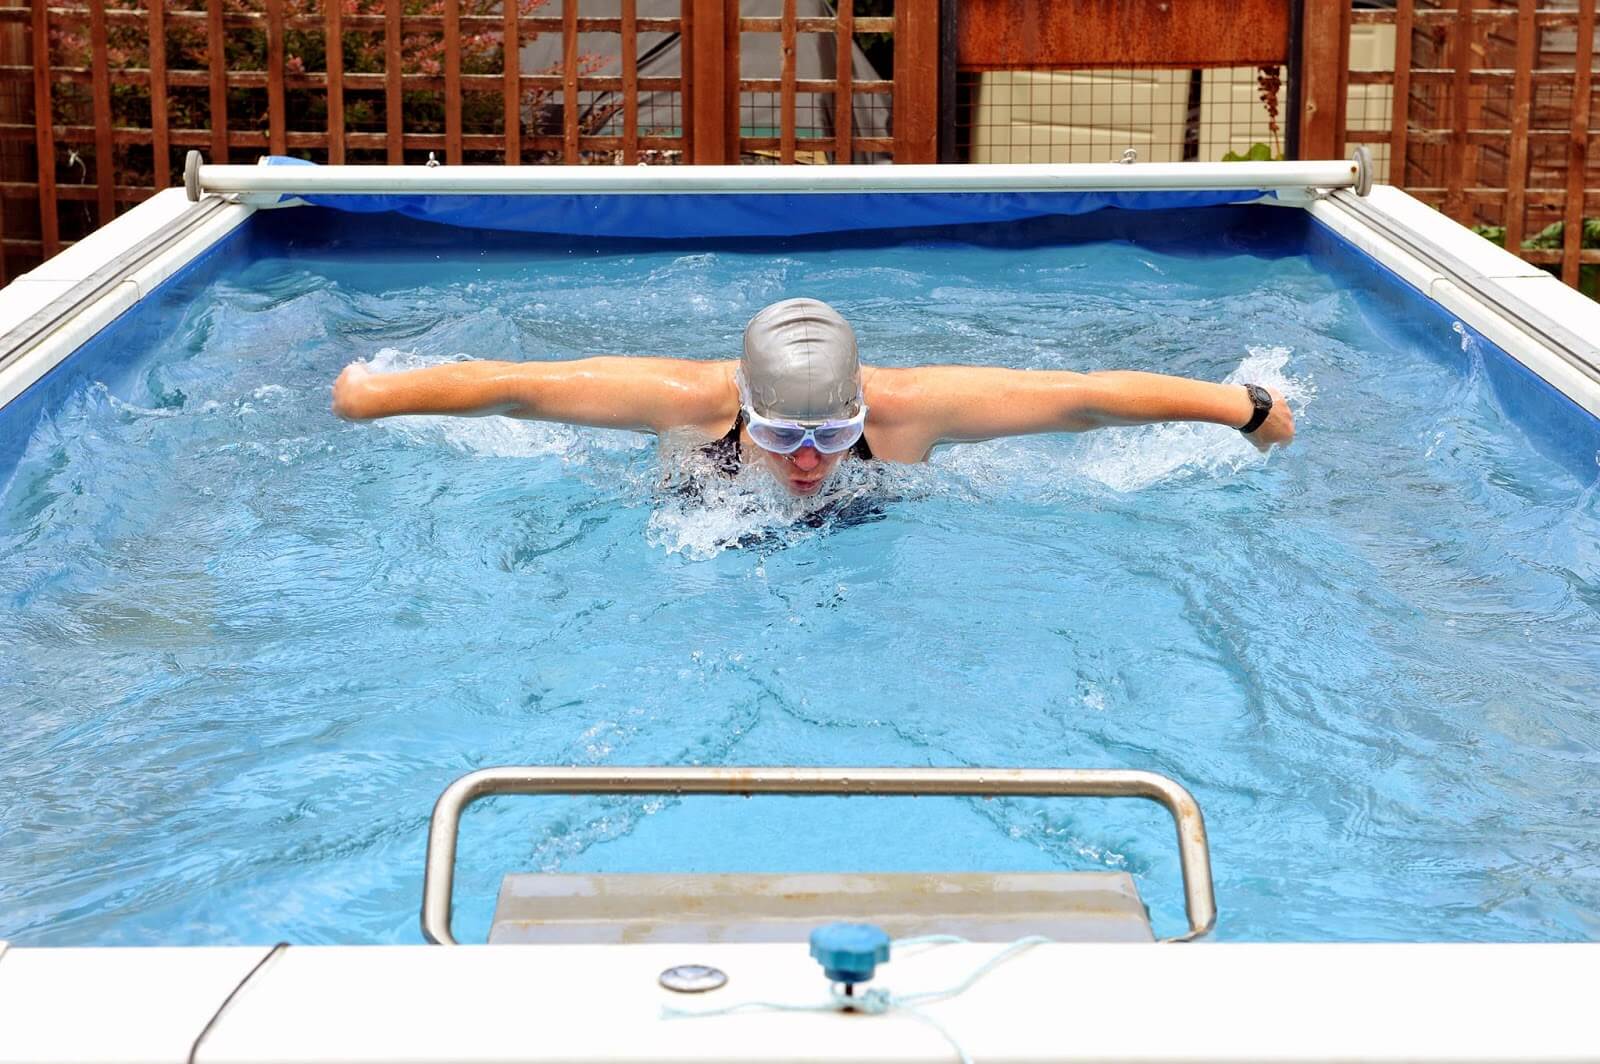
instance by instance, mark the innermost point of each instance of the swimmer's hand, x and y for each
(350, 391)
(1279, 426)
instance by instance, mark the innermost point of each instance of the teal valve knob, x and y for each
(849, 953)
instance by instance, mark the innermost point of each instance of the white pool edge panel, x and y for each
(35, 291)
(1519, 286)
(1307, 1003)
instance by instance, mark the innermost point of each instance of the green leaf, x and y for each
(1258, 153)
(1494, 234)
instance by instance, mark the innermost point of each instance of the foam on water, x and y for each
(1133, 458)
(243, 644)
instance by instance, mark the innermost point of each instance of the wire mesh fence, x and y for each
(1095, 115)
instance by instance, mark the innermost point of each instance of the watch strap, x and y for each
(1263, 404)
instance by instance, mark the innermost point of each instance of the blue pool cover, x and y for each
(681, 215)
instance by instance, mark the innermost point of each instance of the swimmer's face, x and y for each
(802, 472)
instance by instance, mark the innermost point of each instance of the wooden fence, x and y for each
(94, 119)
(1490, 101)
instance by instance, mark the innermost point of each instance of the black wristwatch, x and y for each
(1263, 403)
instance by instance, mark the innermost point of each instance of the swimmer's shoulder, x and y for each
(703, 394)
(897, 404)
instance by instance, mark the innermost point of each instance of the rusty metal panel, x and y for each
(1016, 34)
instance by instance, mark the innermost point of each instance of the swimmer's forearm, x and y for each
(1127, 397)
(643, 394)
(464, 389)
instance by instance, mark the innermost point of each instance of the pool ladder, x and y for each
(1194, 854)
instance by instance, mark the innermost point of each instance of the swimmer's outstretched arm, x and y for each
(944, 404)
(645, 394)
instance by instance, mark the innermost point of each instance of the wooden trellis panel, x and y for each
(106, 117)
(1493, 116)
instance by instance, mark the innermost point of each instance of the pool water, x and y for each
(244, 645)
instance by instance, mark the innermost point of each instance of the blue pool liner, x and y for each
(681, 215)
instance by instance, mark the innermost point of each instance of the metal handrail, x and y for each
(202, 178)
(438, 883)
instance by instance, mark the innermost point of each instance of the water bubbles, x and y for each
(700, 511)
(1131, 459)
(495, 437)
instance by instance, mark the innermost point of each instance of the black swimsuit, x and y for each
(726, 455)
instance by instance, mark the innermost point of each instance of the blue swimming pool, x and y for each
(243, 645)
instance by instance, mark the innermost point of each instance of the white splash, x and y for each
(702, 512)
(1129, 459)
(1474, 352)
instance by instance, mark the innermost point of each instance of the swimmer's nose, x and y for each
(807, 459)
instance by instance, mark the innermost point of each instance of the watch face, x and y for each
(1262, 399)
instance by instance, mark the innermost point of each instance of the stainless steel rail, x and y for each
(203, 178)
(438, 882)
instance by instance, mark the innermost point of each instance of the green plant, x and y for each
(879, 47)
(1258, 153)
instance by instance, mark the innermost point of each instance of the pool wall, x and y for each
(1550, 399)
(1528, 290)
(36, 376)
(1090, 1002)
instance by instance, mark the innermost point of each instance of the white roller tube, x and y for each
(612, 180)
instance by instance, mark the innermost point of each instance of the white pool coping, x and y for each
(34, 291)
(1524, 283)
(1100, 1002)
(1111, 1002)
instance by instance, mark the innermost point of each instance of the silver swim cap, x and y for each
(800, 363)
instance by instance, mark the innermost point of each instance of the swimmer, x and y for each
(799, 402)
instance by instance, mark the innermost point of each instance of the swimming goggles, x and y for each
(787, 437)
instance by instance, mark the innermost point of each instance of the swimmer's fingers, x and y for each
(349, 391)
(1279, 426)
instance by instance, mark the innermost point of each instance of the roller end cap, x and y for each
(191, 175)
(1363, 162)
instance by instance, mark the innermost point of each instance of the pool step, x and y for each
(983, 907)
(635, 908)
